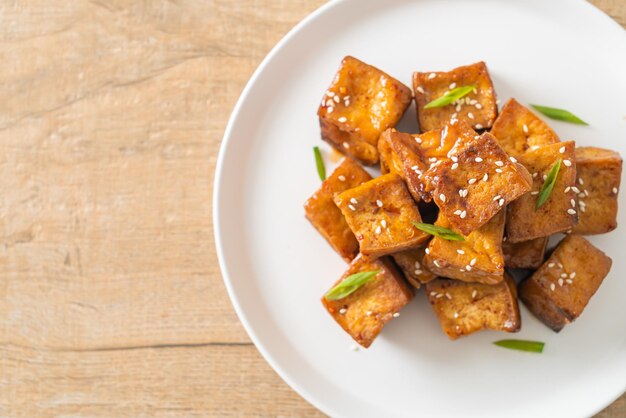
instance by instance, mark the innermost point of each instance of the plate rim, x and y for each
(218, 180)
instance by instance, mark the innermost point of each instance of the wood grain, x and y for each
(111, 300)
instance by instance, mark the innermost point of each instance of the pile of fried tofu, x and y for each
(474, 170)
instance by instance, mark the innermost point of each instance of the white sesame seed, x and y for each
(456, 315)
(580, 181)
(454, 159)
(499, 163)
(343, 311)
(417, 272)
(336, 99)
(575, 189)
(572, 275)
(397, 314)
(432, 159)
(420, 89)
(330, 109)
(571, 211)
(454, 166)
(383, 223)
(581, 195)
(535, 175)
(583, 209)
(476, 136)
(439, 296)
(496, 197)
(442, 197)
(513, 159)
(560, 265)
(473, 262)
(573, 203)
(453, 121)
(561, 282)
(582, 203)
(458, 108)
(436, 263)
(427, 250)
(486, 177)
(564, 275)
(474, 293)
(470, 115)
(567, 163)
(567, 189)
(545, 176)
(460, 252)
(501, 202)
(379, 203)
(452, 85)
(431, 76)
(342, 119)
(534, 193)
(561, 150)
(614, 190)
(478, 106)
(478, 160)
(498, 101)
(568, 281)
(368, 313)
(330, 93)
(471, 181)
(457, 212)
(552, 286)
(353, 201)
(346, 145)
(463, 215)
(550, 265)
(499, 170)
(433, 293)
(342, 178)
(525, 128)
(468, 267)
(417, 264)
(479, 126)
(378, 230)
(586, 192)
(449, 296)
(463, 192)
(346, 103)
(352, 208)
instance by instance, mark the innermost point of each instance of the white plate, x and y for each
(276, 266)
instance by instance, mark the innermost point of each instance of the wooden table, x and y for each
(111, 299)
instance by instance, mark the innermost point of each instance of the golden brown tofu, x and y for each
(359, 105)
(380, 213)
(410, 262)
(412, 163)
(598, 173)
(364, 313)
(478, 108)
(524, 221)
(477, 259)
(558, 292)
(326, 217)
(463, 308)
(525, 254)
(476, 183)
(518, 130)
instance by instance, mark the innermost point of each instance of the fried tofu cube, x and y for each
(321, 211)
(518, 130)
(359, 105)
(364, 313)
(463, 308)
(525, 254)
(558, 292)
(405, 159)
(476, 183)
(410, 262)
(380, 213)
(477, 259)
(524, 221)
(598, 173)
(478, 108)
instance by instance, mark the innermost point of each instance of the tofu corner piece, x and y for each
(463, 308)
(364, 313)
(321, 211)
(559, 213)
(477, 259)
(525, 254)
(598, 173)
(560, 290)
(519, 130)
(476, 183)
(478, 108)
(359, 105)
(410, 262)
(380, 213)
